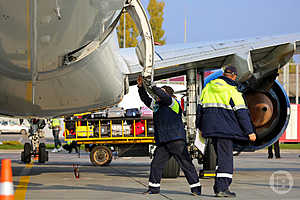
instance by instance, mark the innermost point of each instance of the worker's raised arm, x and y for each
(146, 99)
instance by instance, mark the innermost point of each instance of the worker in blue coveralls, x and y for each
(224, 117)
(170, 137)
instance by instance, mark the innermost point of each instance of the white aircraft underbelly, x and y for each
(36, 37)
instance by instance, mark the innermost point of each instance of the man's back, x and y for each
(223, 110)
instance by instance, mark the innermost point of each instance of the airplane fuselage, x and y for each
(48, 63)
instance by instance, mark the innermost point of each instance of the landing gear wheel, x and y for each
(101, 156)
(209, 161)
(210, 157)
(26, 154)
(172, 169)
(43, 154)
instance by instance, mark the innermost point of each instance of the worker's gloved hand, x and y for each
(252, 137)
(147, 82)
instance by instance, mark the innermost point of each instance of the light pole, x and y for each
(297, 83)
(124, 29)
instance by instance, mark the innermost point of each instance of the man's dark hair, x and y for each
(169, 90)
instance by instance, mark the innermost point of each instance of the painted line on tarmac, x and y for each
(21, 189)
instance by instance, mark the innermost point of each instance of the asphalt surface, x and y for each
(255, 177)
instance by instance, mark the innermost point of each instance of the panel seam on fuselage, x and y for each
(29, 83)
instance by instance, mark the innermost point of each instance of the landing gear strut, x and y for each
(35, 148)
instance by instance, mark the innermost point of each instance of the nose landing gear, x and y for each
(35, 149)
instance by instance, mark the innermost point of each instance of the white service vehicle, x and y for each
(9, 125)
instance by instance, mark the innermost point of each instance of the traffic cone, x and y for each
(6, 183)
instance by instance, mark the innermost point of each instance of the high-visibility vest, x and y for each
(55, 122)
(218, 94)
(174, 105)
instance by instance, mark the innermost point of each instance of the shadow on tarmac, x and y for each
(117, 169)
(263, 185)
(267, 169)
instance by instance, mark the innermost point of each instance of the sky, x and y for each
(218, 20)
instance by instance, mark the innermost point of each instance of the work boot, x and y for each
(60, 149)
(226, 193)
(54, 150)
(197, 191)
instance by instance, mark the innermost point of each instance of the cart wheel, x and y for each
(27, 153)
(172, 169)
(100, 156)
(43, 154)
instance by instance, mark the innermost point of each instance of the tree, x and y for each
(292, 67)
(131, 32)
(156, 12)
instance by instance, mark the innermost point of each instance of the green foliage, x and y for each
(18, 145)
(289, 146)
(292, 68)
(131, 32)
(156, 12)
(11, 143)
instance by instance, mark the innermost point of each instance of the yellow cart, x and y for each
(102, 136)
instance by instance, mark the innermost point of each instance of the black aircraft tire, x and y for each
(22, 156)
(101, 156)
(210, 157)
(27, 153)
(43, 154)
(47, 156)
(171, 169)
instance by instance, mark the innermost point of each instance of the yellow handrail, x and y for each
(134, 128)
(91, 129)
(87, 129)
(76, 129)
(110, 128)
(122, 128)
(99, 129)
(146, 128)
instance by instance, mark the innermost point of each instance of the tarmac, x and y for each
(255, 177)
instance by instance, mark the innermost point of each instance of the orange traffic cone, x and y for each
(6, 183)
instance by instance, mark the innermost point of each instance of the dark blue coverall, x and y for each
(224, 117)
(170, 138)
